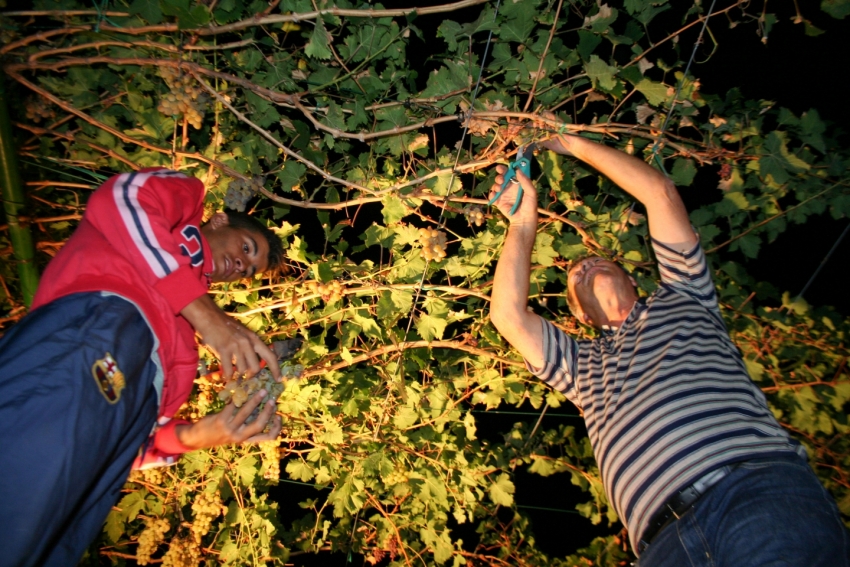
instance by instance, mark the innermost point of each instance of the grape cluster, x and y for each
(239, 390)
(38, 109)
(433, 243)
(150, 538)
(206, 507)
(182, 553)
(153, 476)
(291, 371)
(185, 98)
(203, 403)
(331, 292)
(271, 459)
(240, 191)
(395, 477)
(474, 215)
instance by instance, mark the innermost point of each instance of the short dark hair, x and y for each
(276, 256)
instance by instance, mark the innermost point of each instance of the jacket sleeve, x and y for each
(162, 448)
(154, 215)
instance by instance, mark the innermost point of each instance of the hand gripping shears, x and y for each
(523, 163)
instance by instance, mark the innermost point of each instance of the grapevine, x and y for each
(206, 507)
(185, 97)
(153, 476)
(291, 371)
(239, 390)
(240, 191)
(386, 423)
(271, 459)
(397, 476)
(150, 538)
(433, 243)
(331, 292)
(474, 215)
(182, 552)
(205, 398)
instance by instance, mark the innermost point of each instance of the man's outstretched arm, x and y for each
(228, 338)
(509, 302)
(667, 216)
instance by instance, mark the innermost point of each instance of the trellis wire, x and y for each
(824, 261)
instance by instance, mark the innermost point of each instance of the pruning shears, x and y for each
(523, 163)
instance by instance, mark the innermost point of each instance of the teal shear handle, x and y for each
(523, 163)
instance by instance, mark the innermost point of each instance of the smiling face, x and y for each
(600, 292)
(237, 253)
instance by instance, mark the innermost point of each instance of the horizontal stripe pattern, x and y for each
(666, 398)
(125, 192)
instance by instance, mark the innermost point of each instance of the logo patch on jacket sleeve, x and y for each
(109, 378)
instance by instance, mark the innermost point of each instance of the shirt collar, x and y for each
(610, 331)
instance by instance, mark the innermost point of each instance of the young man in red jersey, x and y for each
(91, 379)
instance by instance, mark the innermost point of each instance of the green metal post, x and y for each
(13, 205)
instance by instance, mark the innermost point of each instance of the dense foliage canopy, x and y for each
(329, 121)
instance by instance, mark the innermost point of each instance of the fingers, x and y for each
(273, 432)
(256, 427)
(526, 183)
(246, 358)
(226, 365)
(269, 356)
(246, 345)
(248, 408)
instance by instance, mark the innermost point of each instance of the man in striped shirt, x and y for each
(692, 459)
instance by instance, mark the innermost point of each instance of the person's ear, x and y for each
(219, 220)
(631, 279)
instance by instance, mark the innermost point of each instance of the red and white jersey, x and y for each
(140, 239)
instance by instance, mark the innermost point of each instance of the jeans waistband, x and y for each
(681, 502)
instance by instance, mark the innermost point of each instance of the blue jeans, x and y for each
(766, 512)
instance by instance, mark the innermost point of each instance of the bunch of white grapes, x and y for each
(153, 476)
(150, 538)
(291, 371)
(240, 191)
(271, 459)
(240, 389)
(331, 292)
(185, 98)
(206, 507)
(474, 215)
(433, 244)
(395, 477)
(182, 553)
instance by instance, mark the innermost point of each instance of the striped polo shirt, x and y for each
(666, 397)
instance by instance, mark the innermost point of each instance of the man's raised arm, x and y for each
(668, 218)
(509, 303)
